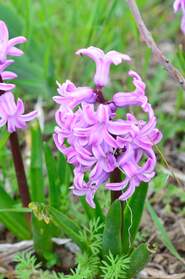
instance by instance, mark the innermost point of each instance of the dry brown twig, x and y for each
(148, 39)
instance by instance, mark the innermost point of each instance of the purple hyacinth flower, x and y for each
(134, 173)
(96, 141)
(6, 75)
(12, 114)
(7, 47)
(103, 62)
(136, 145)
(81, 188)
(99, 124)
(135, 98)
(71, 95)
(180, 5)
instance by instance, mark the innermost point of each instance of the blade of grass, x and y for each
(4, 138)
(138, 260)
(90, 212)
(112, 231)
(14, 220)
(42, 233)
(163, 233)
(67, 225)
(36, 172)
(64, 173)
(19, 210)
(134, 207)
(54, 188)
(98, 210)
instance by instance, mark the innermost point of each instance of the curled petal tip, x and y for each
(78, 52)
(57, 82)
(23, 39)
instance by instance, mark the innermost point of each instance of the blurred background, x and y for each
(56, 29)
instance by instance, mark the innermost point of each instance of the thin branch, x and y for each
(148, 39)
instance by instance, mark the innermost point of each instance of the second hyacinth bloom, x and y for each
(180, 5)
(11, 112)
(97, 142)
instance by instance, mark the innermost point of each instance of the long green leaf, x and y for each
(99, 212)
(93, 213)
(54, 187)
(36, 172)
(4, 138)
(15, 222)
(61, 168)
(64, 175)
(112, 230)
(16, 210)
(138, 259)
(42, 233)
(89, 211)
(162, 232)
(67, 225)
(132, 216)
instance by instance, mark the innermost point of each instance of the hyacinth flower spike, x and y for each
(99, 144)
(103, 62)
(180, 5)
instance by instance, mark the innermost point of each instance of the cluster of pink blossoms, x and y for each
(11, 113)
(95, 141)
(180, 5)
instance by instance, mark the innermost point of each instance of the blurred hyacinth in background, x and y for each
(10, 113)
(179, 5)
